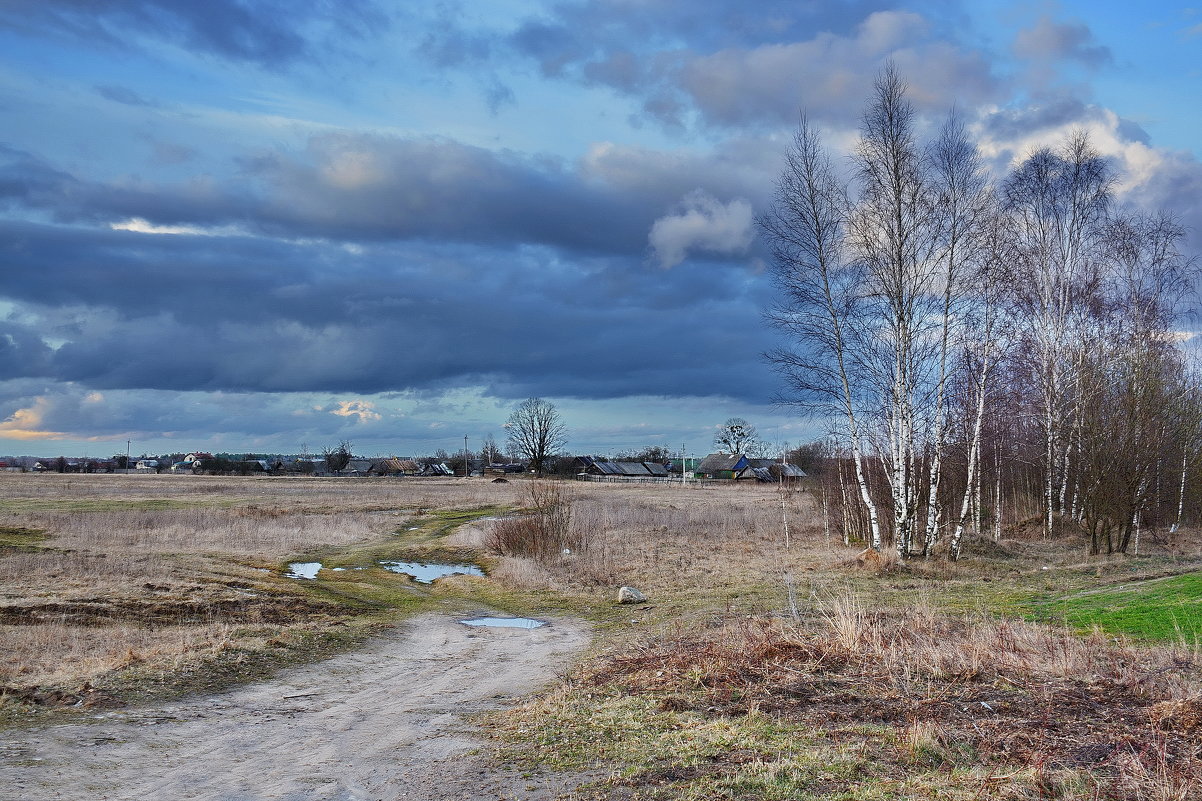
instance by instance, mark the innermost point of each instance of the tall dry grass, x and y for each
(153, 570)
(1059, 716)
(666, 537)
(64, 655)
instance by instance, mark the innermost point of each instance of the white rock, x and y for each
(629, 595)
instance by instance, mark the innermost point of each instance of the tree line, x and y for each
(985, 348)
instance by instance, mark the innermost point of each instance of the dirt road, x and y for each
(386, 722)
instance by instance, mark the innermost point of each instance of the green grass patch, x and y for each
(1158, 609)
(15, 538)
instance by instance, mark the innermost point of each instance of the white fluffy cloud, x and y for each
(703, 223)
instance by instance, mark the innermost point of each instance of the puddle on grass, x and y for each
(303, 570)
(505, 622)
(426, 572)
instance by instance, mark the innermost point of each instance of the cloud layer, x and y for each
(283, 221)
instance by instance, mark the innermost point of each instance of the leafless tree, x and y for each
(819, 298)
(948, 326)
(338, 458)
(981, 353)
(535, 432)
(490, 452)
(1057, 202)
(736, 435)
(966, 216)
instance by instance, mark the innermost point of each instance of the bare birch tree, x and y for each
(806, 230)
(1056, 201)
(965, 209)
(894, 234)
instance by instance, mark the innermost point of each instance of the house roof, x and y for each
(655, 468)
(717, 462)
(632, 469)
(775, 467)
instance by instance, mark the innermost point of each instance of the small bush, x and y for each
(542, 535)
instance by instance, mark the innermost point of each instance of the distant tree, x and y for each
(457, 460)
(338, 458)
(736, 435)
(122, 461)
(60, 464)
(439, 456)
(490, 452)
(535, 432)
(562, 465)
(808, 457)
(652, 453)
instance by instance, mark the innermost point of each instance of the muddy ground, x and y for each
(389, 721)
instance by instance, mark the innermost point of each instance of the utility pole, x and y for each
(684, 466)
(467, 465)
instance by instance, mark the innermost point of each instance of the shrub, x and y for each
(544, 533)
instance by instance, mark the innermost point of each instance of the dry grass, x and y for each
(542, 534)
(63, 655)
(711, 691)
(154, 572)
(665, 538)
(983, 708)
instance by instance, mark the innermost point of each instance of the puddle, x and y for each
(426, 572)
(505, 622)
(303, 570)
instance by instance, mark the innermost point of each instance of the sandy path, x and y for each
(385, 722)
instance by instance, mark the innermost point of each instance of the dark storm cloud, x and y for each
(364, 188)
(264, 32)
(22, 352)
(357, 186)
(1018, 122)
(177, 312)
(1175, 185)
(830, 76)
(584, 34)
(1057, 112)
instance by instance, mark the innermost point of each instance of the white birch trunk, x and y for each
(997, 498)
(1180, 495)
(974, 451)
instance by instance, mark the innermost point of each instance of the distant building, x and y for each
(773, 471)
(588, 468)
(724, 465)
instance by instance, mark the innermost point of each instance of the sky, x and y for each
(274, 225)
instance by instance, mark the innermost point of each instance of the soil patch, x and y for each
(99, 611)
(388, 721)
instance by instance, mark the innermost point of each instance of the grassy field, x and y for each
(760, 668)
(1164, 609)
